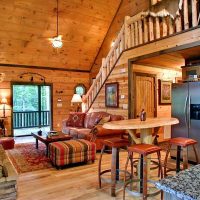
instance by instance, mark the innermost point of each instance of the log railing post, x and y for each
(194, 13)
(185, 14)
(136, 34)
(151, 29)
(178, 23)
(104, 70)
(132, 35)
(140, 31)
(171, 26)
(127, 32)
(164, 25)
(157, 28)
(146, 31)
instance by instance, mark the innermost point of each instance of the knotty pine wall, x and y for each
(120, 75)
(61, 80)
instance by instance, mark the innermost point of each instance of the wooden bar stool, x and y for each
(183, 143)
(143, 150)
(115, 144)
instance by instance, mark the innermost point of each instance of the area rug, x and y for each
(26, 158)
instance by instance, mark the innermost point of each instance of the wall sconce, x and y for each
(77, 99)
(4, 102)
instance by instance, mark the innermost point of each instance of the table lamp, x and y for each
(4, 102)
(77, 99)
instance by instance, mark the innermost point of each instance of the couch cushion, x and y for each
(95, 118)
(80, 133)
(116, 117)
(76, 119)
(87, 119)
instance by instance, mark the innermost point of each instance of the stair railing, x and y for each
(139, 30)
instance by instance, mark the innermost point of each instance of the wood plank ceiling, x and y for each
(26, 25)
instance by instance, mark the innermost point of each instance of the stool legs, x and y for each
(185, 158)
(166, 157)
(144, 186)
(125, 170)
(99, 167)
(144, 174)
(114, 175)
(196, 154)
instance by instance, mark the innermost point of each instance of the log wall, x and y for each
(60, 80)
(120, 75)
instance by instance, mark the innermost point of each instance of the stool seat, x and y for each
(144, 149)
(183, 142)
(7, 142)
(116, 142)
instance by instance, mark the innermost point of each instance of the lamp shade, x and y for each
(4, 100)
(76, 98)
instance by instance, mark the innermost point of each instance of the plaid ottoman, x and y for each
(71, 151)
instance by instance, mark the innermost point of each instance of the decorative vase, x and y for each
(40, 132)
(143, 115)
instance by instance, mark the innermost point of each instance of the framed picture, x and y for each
(165, 88)
(112, 95)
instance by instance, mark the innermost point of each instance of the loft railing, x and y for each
(141, 29)
(30, 119)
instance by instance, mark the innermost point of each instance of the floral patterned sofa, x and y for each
(88, 126)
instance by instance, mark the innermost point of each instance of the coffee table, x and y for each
(47, 140)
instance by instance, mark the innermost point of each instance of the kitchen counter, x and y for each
(184, 185)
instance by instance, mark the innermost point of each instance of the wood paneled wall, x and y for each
(120, 75)
(127, 8)
(61, 81)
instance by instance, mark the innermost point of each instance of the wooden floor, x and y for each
(75, 183)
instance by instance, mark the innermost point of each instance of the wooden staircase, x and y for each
(142, 29)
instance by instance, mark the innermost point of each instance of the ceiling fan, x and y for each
(56, 40)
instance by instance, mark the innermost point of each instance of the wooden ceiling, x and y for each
(171, 60)
(25, 26)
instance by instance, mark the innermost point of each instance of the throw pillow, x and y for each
(103, 120)
(76, 119)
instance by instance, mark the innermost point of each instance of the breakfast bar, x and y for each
(185, 185)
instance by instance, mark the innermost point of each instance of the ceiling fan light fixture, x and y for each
(57, 42)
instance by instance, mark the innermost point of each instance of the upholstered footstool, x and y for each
(7, 142)
(71, 151)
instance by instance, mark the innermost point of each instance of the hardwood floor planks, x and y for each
(75, 183)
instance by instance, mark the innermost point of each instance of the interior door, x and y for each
(145, 94)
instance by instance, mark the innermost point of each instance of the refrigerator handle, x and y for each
(185, 111)
(189, 120)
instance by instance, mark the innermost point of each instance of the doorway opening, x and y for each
(31, 108)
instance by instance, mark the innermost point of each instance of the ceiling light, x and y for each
(57, 40)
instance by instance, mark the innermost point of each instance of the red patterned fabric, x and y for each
(71, 151)
(76, 119)
(7, 142)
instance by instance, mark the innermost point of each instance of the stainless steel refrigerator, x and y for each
(186, 107)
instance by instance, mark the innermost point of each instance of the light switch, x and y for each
(122, 96)
(123, 70)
